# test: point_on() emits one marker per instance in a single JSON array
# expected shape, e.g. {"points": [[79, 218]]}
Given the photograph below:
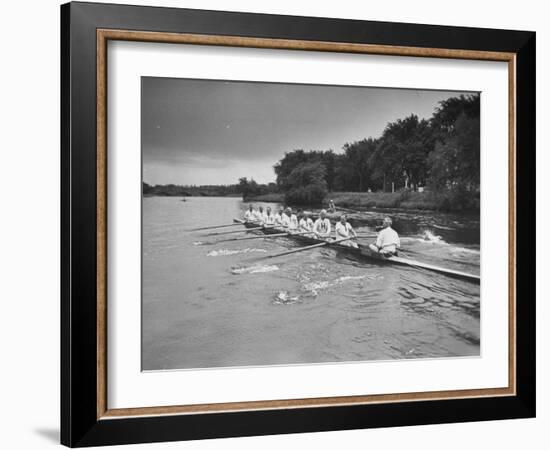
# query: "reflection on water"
{"points": [[208, 305]]}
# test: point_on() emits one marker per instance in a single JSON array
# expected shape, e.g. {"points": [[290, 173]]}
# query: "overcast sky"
{"points": [[213, 132]]}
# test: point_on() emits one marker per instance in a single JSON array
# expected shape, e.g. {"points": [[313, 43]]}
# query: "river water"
{"points": [[221, 305]]}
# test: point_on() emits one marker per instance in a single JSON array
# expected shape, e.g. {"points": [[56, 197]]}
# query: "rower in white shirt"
{"points": [[269, 218], [343, 229], [249, 215], [293, 220], [259, 214], [321, 228], [305, 224], [285, 218], [387, 241], [278, 217]]}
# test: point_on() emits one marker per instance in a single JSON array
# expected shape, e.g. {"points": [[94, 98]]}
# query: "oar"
{"points": [[262, 236], [309, 247], [215, 226], [347, 209], [245, 230]]}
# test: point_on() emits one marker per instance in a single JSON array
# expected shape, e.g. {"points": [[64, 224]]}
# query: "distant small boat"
{"points": [[183, 199]]}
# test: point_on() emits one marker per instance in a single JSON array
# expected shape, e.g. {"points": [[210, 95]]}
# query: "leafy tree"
{"points": [[285, 166], [147, 188], [447, 113], [355, 171], [329, 160], [455, 163], [306, 184], [249, 188], [402, 151]]}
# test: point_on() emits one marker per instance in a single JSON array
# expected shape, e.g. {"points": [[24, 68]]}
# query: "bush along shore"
{"points": [[437, 201]]}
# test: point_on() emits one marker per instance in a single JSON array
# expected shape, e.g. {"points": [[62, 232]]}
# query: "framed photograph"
{"points": [[276, 224]]}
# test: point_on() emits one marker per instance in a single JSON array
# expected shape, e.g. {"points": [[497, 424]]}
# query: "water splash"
{"points": [[253, 269], [315, 287], [284, 298], [430, 238], [227, 252]]}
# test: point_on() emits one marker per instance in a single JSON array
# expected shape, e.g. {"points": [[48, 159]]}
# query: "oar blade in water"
{"points": [[308, 247]]}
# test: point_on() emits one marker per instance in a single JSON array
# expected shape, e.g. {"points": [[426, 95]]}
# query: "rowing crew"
{"points": [[387, 241], [283, 218], [303, 224]]}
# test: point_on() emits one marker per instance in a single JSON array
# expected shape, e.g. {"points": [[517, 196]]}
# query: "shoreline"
{"points": [[407, 200], [363, 201]]}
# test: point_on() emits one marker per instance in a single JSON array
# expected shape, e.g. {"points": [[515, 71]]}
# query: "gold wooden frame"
{"points": [[103, 36]]}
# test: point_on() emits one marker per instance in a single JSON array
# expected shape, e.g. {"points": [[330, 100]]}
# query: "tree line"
{"points": [[440, 153], [177, 190], [245, 187]]}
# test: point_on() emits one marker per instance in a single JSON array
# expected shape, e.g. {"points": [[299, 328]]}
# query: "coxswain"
{"points": [[343, 229], [321, 228], [387, 241]]}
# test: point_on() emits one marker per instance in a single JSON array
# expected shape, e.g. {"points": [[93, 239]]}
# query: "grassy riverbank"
{"points": [[436, 201]]}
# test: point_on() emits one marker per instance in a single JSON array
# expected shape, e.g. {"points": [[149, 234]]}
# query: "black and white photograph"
{"points": [[300, 224]]}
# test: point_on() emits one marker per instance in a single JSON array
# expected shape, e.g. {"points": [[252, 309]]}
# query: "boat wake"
{"points": [[434, 239], [313, 288], [227, 252], [430, 238], [253, 269], [472, 251]]}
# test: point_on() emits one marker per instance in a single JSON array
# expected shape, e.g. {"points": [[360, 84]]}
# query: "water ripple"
{"points": [[228, 252]]}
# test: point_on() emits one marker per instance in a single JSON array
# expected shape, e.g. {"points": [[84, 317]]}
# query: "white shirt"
{"points": [[278, 218], [322, 227], [293, 222], [285, 220], [258, 215], [343, 231], [249, 215], [306, 224], [269, 219], [388, 240]]}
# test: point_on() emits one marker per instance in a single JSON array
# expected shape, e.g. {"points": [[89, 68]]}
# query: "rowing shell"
{"points": [[366, 252]]}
